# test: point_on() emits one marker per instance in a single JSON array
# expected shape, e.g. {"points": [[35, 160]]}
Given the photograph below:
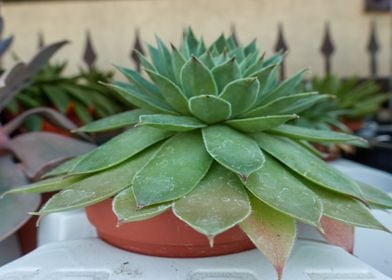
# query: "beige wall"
{"points": [[113, 23]]}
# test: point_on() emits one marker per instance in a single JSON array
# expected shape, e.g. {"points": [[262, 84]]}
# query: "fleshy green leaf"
{"points": [[48, 185], [272, 232], [178, 61], [139, 82], [345, 209], [174, 171], [206, 59], [375, 196], [278, 188], [65, 167], [338, 233], [171, 93], [113, 122], [97, 187], [241, 94], [120, 148], [292, 104], [233, 149], [306, 164], [126, 210], [286, 88], [171, 122], [196, 79], [210, 108], [260, 123], [225, 73], [135, 97], [218, 203], [315, 135]]}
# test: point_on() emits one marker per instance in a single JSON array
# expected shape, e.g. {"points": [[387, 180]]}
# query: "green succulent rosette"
{"points": [[209, 141]]}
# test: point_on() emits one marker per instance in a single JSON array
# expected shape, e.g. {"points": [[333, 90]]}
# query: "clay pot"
{"points": [[164, 235]]}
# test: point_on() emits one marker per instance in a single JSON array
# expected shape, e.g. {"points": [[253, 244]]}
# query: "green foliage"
{"points": [[216, 150]]}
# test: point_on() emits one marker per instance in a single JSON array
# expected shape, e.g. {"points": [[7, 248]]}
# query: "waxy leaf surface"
{"points": [[272, 232], [218, 203], [376, 196], [196, 79], [226, 73], [120, 148], [233, 149], [126, 210], [306, 164], [259, 124], [241, 94], [281, 190], [338, 233], [171, 122], [210, 108], [115, 121], [97, 187], [174, 171]]}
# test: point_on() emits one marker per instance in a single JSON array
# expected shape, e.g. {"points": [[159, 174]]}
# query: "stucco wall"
{"points": [[112, 24]]}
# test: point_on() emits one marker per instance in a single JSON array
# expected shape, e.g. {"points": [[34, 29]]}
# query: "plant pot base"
{"points": [[164, 235]]}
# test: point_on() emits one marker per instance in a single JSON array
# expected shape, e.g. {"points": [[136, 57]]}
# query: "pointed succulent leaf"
{"points": [[286, 88], [174, 171], [255, 66], [234, 150], [47, 185], [210, 108], [314, 135], [270, 83], [345, 209], [171, 92], [241, 94], [138, 81], [219, 44], [165, 57], [171, 123], [225, 73], [259, 124], [114, 122], [251, 48], [311, 148], [278, 188], [144, 61], [65, 167], [222, 189], [272, 232], [248, 62], [206, 59], [97, 187], [156, 60], [126, 210], [306, 164], [376, 196], [262, 75], [178, 62], [274, 59], [191, 41], [338, 233], [135, 97], [293, 104], [196, 79], [119, 149]]}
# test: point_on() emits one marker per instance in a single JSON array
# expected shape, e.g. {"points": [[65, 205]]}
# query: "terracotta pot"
{"points": [[164, 235]]}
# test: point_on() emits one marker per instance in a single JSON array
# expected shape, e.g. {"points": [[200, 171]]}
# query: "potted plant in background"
{"points": [[211, 158], [24, 157]]}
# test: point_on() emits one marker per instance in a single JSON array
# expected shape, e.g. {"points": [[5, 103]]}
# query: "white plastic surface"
{"points": [[9, 249], [92, 259]]}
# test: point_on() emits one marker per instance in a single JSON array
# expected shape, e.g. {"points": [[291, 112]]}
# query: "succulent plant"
{"points": [[210, 143], [25, 157], [79, 96]]}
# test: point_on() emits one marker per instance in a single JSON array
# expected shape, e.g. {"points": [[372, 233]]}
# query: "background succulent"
{"points": [[25, 157], [211, 144], [79, 97]]}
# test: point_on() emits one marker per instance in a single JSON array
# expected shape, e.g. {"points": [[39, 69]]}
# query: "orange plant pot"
{"points": [[164, 235]]}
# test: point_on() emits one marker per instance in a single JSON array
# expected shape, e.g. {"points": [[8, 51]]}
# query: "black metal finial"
{"points": [[41, 40], [281, 46], [234, 34], [373, 48], [89, 56], [1, 26], [137, 46], [327, 49]]}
